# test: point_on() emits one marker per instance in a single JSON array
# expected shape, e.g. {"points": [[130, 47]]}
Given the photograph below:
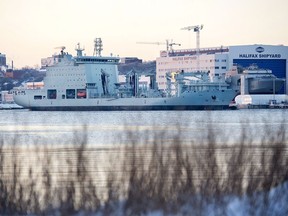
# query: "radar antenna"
{"points": [[98, 47], [62, 49], [196, 29]]}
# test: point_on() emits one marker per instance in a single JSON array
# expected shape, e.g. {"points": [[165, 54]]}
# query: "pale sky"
{"points": [[31, 29]]}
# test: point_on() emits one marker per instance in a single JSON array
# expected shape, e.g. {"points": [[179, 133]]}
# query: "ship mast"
{"points": [[79, 50], [98, 47]]}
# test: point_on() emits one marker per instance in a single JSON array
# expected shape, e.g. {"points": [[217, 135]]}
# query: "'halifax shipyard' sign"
{"points": [[259, 54]]}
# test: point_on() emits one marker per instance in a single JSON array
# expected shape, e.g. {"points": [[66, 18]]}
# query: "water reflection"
{"points": [[106, 128]]}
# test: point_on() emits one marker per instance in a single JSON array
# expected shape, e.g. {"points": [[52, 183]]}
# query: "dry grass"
{"points": [[141, 177]]}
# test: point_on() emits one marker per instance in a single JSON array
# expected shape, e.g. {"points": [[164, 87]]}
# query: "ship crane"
{"points": [[196, 29], [169, 45]]}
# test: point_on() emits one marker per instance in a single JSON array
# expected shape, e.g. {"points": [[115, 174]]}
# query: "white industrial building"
{"points": [[218, 60]]}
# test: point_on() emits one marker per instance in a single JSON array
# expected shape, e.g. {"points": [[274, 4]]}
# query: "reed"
{"points": [[150, 174]]}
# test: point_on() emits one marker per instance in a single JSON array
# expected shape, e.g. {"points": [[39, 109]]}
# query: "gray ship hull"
{"points": [[132, 108], [207, 100]]}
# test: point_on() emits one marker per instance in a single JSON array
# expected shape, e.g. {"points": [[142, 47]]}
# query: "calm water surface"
{"points": [[110, 128]]}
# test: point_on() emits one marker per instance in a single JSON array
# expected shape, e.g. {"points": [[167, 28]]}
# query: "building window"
{"points": [[216, 67], [223, 67]]}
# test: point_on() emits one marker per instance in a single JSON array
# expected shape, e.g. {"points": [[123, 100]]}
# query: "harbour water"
{"points": [[110, 128]]}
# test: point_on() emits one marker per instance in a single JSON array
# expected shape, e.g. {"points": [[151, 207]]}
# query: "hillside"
{"points": [[145, 67]]}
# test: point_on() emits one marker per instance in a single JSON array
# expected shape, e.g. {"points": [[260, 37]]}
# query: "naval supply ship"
{"points": [[87, 83]]}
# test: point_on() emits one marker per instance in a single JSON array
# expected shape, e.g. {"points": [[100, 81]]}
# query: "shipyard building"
{"points": [[218, 60]]}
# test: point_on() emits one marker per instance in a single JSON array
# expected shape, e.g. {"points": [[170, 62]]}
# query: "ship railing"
{"points": [[97, 95]]}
